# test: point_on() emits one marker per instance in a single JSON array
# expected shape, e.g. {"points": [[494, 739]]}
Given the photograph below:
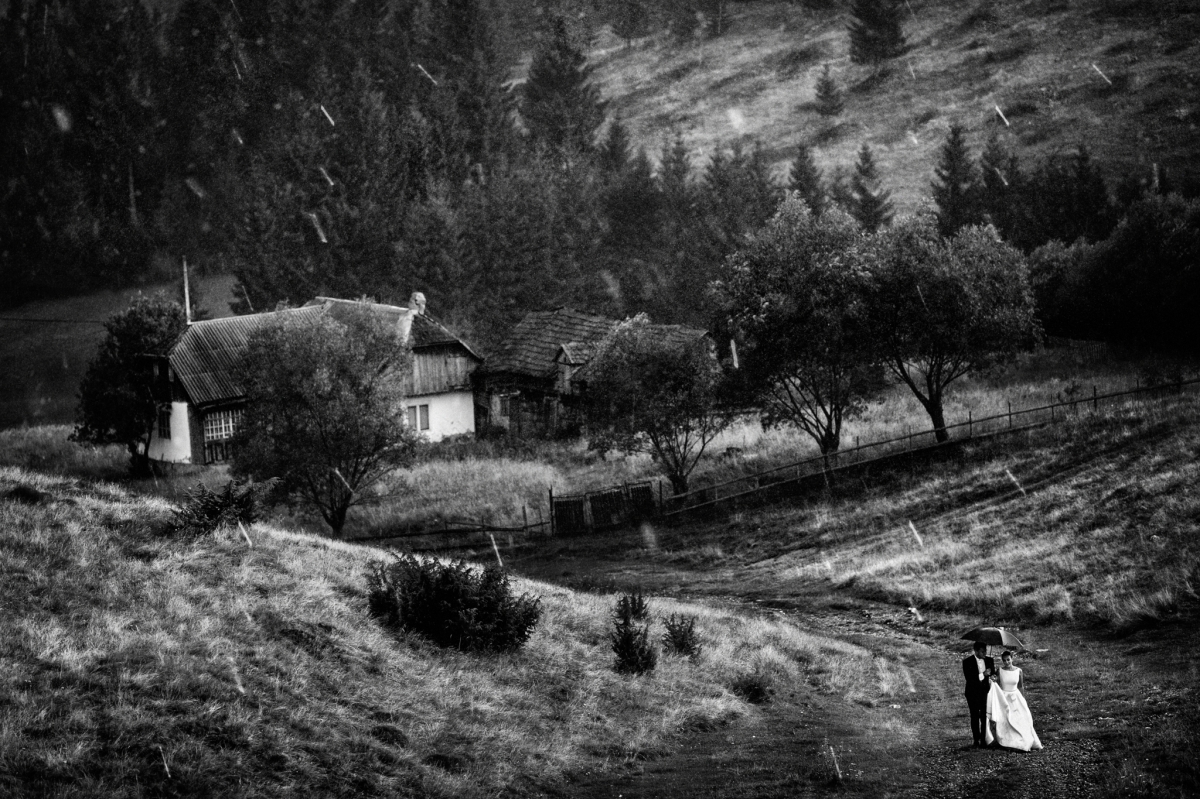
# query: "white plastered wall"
{"points": [[450, 414], [177, 448]]}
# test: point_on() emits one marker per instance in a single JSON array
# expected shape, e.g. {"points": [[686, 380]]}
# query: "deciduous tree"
{"points": [[943, 308], [117, 400], [325, 408], [650, 393], [798, 292]]}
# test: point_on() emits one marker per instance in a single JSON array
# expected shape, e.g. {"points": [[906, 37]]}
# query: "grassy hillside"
{"points": [[134, 664], [1082, 541], [1039, 61]]}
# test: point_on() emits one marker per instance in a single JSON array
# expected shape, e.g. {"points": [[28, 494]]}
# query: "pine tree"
{"points": [[613, 154], [829, 95], [805, 179], [876, 32], [561, 107], [872, 204], [630, 20], [956, 189], [1000, 187]]}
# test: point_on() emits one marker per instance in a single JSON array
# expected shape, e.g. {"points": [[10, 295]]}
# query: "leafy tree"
{"points": [[325, 408], [804, 179], [798, 292], [117, 399], [829, 95], [871, 204], [943, 308], [876, 31], [1139, 286], [561, 107], [956, 189], [648, 393]]}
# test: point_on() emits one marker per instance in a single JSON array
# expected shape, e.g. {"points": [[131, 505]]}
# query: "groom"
{"points": [[978, 670]]}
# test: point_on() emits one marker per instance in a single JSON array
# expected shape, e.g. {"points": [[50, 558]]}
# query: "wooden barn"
{"points": [[533, 381], [202, 401]]}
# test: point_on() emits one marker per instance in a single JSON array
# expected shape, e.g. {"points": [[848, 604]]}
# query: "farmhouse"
{"points": [[202, 401], [533, 382]]}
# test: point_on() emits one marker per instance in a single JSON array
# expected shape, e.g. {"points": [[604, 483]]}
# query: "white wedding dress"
{"points": [[1008, 709]]}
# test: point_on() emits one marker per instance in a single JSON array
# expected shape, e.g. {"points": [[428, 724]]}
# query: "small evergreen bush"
{"points": [[453, 605], [631, 607], [630, 640], [680, 637], [207, 511]]}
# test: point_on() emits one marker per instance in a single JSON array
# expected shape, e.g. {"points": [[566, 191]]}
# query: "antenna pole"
{"points": [[187, 294]]}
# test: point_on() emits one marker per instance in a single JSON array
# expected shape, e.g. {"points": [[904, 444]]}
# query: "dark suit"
{"points": [[977, 693]]}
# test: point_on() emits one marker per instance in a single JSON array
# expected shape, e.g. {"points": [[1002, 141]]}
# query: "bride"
{"points": [[1008, 711]]}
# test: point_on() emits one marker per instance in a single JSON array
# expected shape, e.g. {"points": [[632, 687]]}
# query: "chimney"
{"points": [[416, 307]]}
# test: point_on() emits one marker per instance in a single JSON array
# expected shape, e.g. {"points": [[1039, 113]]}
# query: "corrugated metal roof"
{"points": [[206, 359], [207, 356], [533, 344]]}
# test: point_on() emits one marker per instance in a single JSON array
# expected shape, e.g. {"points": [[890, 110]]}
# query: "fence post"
{"points": [[552, 526], [970, 425], [660, 500], [524, 519], [1095, 406], [1009, 413]]}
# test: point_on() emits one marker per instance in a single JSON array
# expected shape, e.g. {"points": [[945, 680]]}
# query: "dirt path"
{"points": [[784, 750]]}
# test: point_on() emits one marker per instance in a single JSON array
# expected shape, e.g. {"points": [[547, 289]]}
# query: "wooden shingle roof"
{"points": [[207, 357], [533, 344], [675, 336], [426, 331]]}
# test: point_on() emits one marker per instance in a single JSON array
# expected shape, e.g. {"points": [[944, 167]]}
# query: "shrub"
{"points": [[206, 511], [631, 644], [630, 608], [631, 641], [680, 637], [453, 605], [756, 687]]}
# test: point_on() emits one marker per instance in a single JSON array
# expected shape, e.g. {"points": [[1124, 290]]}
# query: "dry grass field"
{"points": [[135, 664]]}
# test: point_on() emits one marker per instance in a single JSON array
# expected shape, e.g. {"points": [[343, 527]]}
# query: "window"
{"points": [[164, 422], [504, 405], [221, 425], [418, 417]]}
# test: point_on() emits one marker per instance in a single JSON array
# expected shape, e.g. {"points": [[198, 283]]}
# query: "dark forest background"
{"points": [[377, 147]]}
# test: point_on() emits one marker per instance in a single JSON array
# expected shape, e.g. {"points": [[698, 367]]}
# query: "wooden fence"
{"points": [[823, 467], [631, 503]]}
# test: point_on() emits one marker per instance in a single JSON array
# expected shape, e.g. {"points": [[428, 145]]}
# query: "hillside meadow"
{"points": [[1117, 76], [137, 664]]}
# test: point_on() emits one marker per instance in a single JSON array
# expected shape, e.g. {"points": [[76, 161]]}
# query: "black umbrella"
{"points": [[994, 636]]}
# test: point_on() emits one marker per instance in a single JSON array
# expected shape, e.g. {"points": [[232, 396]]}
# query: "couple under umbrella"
{"points": [[995, 695]]}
